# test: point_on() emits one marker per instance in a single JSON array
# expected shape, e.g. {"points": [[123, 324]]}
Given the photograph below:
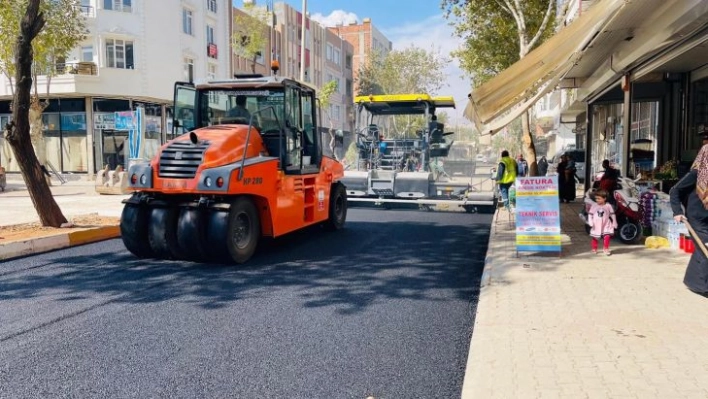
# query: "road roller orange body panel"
{"points": [[248, 164]]}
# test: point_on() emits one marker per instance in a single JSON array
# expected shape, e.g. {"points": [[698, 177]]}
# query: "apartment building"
{"points": [[326, 59], [271, 50], [365, 40], [134, 53]]}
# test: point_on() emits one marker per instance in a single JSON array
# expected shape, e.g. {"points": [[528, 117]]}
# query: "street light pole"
{"points": [[302, 42]]}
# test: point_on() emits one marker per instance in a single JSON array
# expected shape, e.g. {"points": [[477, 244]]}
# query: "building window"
{"points": [[349, 61], [189, 69], [211, 5], [118, 5], [87, 53], [187, 21], [210, 34], [211, 72], [349, 87], [329, 52], [119, 54], [337, 57]]}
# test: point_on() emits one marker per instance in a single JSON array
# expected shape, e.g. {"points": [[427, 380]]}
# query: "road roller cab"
{"points": [[247, 162]]}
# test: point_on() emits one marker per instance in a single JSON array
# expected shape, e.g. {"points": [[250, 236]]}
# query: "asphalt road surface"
{"points": [[383, 308]]}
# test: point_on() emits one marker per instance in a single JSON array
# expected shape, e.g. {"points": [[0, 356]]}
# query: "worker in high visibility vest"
{"points": [[506, 175]]}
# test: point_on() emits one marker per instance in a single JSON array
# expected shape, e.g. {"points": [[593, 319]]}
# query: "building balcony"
{"points": [[88, 11], [85, 78]]}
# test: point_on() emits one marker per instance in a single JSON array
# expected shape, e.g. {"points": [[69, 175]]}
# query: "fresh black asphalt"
{"points": [[383, 308]]}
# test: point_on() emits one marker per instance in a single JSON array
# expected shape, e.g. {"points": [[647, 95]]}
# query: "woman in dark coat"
{"points": [[691, 193], [566, 179], [560, 169]]}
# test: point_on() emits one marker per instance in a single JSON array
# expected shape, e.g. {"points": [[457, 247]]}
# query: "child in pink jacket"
{"points": [[602, 221]]}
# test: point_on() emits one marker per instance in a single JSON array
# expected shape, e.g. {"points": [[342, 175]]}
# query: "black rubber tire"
{"points": [[217, 226], [629, 233], [190, 234], [134, 230], [244, 230], [162, 233], [337, 208]]}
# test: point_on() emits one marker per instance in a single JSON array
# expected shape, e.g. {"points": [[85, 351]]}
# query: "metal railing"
{"points": [[88, 11], [63, 68]]}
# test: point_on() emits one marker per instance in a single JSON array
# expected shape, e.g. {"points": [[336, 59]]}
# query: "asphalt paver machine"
{"points": [[400, 148]]}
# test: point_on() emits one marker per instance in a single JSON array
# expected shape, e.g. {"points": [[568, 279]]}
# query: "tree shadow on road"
{"points": [[347, 270]]}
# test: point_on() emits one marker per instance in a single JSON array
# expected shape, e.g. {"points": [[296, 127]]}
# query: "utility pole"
{"points": [[302, 41]]}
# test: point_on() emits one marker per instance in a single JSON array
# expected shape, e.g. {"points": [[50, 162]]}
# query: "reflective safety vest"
{"points": [[509, 175]]}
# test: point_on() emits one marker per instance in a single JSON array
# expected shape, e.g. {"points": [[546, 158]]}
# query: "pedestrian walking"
{"points": [[602, 221], [566, 179], [506, 176], [522, 165], [542, 166], [689, 199]]}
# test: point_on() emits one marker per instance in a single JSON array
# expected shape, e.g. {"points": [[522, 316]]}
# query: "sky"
{"points": [[403, 22]]}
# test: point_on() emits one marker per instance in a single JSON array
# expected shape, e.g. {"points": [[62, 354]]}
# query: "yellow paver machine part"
{"points": [[403, 104]]}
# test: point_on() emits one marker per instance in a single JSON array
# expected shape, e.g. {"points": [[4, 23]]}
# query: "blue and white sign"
{"points": [[132, 121], [537, 214]]}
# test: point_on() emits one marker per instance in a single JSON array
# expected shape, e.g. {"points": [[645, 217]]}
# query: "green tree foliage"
{"points": [[64, 28], [325, 96], [411, 70], [31, 38], [496, 34], [250, 35]]}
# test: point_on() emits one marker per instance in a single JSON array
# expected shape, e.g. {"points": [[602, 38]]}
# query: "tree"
{"points": [[488, 29], [250, 35], [411, 70], [325, 97], [18, 130], [64, 27]]}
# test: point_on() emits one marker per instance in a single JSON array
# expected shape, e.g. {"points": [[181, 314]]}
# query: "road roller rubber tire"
{"points": [[337, 208], [244, 230], [134, 230], [217, 226], [190, 234], [162, 233]]}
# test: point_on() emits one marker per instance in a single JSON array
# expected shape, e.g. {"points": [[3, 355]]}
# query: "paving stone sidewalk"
{"points": [[75, 198], [585, 325]]}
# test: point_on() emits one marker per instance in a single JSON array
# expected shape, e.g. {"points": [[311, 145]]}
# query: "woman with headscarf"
{"points": [[689, 199]]}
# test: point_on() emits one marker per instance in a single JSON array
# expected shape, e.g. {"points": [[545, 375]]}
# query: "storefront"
{"points": [[606, 138], [81, 136], [65, 136]]}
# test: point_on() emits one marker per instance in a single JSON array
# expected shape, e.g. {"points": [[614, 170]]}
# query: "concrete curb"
{"points": [[487, 274], [488, 259], [16, 249], [492, 255]]}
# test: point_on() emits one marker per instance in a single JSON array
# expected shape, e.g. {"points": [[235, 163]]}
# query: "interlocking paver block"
{"points": [[618, 326]]}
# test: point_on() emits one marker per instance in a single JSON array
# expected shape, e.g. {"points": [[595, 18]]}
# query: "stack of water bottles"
{"points": [[675, 233], [650, 210], [657, 211]]}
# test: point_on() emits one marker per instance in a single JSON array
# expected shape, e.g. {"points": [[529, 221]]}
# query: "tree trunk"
{"points": [[37, 129], [19, 135], [527, 145], [332, 140]]}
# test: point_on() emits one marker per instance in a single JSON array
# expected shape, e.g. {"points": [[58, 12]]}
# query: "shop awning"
{"points": [[499, 101]]}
